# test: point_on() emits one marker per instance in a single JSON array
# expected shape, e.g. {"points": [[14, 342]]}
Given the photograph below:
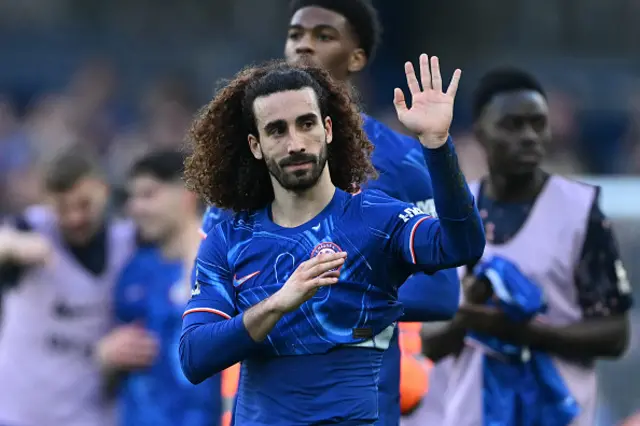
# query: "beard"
{"points": [[302, 179]]}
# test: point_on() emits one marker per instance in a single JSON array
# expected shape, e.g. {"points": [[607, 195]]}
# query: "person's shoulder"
{"points": [[213, 216], [383, 136], [375, 202], [373, 197], [241, 224], [575, 192], [233, 227], [399, 159], [380, 209], [571, 182]]}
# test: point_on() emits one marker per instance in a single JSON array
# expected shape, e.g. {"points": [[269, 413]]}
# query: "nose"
{"points": [[305, 46], [296, 145], [528, 143], [296, 142], [529, 137]]}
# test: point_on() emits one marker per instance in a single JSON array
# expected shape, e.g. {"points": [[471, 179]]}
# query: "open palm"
{"points": [[431, 110]]}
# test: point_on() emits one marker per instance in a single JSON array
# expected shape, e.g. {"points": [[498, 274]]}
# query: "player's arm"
{"points": [[211, 217], [128, 346], [448, 338], [425, 298], [445, 340], [20, 248], [455, 238], [214, 335], [604, 294], [434, 297], [428, 298]]}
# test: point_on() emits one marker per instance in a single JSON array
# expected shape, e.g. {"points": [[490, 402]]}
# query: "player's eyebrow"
{"points": [[275, 125], [534, 115], [307, 117], [318, 27]]}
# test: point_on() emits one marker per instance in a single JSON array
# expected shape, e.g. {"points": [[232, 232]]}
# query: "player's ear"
{"points": [[254, 146], [357, 61], [328, 128]]}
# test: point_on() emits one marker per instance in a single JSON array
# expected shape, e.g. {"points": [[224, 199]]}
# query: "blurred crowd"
{"points": [[87, 115]]}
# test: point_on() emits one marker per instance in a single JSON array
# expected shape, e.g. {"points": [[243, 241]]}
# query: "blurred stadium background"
{"points": [[118, 78]]}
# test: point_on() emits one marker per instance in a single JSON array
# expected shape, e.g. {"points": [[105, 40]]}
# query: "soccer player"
{"points": [[301, 284], [150, 298], [342, 37], [554, 230], [58, 266]]}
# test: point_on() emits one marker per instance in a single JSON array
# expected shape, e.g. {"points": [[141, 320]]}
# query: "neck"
{"points": [[506, 187], [183, 241], [291, 209]]}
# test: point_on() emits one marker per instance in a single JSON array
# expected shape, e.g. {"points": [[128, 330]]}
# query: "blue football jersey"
{"points": [[321, 362], [403, 174], [152, 292], [212, 216]]}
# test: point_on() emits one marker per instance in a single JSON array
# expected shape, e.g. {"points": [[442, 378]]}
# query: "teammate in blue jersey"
{"points": [[301, 283], [150, 298]]}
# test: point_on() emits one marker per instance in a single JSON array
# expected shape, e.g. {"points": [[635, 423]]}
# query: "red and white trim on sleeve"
{"points": [[412, 238], [206, 310]]}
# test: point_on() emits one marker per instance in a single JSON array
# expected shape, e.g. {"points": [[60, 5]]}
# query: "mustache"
{"points": [[298, 159]]}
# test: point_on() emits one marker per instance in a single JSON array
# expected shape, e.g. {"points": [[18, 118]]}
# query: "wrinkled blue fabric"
{"points": [[521, 387]]}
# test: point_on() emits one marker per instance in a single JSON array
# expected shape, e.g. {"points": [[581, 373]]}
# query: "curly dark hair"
{"points": [[222, 169]]}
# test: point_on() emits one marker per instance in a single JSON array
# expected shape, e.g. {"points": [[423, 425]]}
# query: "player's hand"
{"points": [[431, 110], [25, 248], [476, 291], [33, 249], [487, 320], [128, 347], [309, 276]]}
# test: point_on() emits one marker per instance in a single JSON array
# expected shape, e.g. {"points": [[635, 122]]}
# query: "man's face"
{"points": [[292, 138], [514, 129], [81, 209], [323, 38], [157, 207]]}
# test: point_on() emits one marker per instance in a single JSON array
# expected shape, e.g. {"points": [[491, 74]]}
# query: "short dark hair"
{"points": [[502, 80], [361, 15], [222, 169], [165, 165], [67, 169]]}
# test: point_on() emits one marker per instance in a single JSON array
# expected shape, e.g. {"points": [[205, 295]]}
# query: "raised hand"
{"points": [[309, 276], [431, 110], [128, 347]]}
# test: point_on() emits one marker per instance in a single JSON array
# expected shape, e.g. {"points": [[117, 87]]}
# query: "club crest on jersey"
{"points": [[327, 247]]}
